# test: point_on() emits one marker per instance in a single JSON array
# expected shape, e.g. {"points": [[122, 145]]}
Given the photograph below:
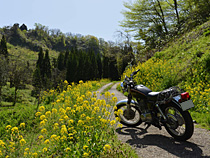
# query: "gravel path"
{"points": [[155, 143]]}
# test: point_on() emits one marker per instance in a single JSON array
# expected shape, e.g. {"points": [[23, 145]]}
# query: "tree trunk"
{"points": [[177, 14], [15, 96], [162, 16]]}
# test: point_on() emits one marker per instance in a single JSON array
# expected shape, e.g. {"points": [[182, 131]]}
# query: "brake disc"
{"points": [[172, 121]]}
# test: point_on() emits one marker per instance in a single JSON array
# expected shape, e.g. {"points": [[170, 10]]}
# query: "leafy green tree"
{"points": [[3, 73], [147, 18], [19, 76]]}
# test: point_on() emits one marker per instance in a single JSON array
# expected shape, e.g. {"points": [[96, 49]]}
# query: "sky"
{"points": [[99, 18]]}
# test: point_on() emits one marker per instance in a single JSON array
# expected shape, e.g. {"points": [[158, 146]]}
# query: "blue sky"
{"points": [[99, 18]]}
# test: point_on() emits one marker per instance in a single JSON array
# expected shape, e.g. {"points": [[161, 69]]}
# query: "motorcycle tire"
{"points": [[129, 122], [177, 119]]}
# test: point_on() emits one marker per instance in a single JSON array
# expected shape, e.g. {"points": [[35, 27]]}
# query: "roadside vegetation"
{"points": [[185, 62], [68, 123]]}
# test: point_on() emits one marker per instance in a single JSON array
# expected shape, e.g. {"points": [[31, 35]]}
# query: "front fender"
{"points": [[124, 101]]}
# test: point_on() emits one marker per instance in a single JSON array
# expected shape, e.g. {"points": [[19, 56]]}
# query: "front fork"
{"points": [[129, 99]]}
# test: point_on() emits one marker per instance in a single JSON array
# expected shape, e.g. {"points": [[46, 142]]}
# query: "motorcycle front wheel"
{"points": [[180, 123], [131, 118]]}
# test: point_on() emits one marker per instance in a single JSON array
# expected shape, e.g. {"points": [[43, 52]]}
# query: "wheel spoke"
{"points": [[178, 128]]}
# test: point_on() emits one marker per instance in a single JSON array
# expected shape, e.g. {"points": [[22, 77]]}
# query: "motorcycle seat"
{"points": [[153, 94]]}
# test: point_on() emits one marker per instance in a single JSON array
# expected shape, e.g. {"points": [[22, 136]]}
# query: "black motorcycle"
{"points": [[167, 108]]}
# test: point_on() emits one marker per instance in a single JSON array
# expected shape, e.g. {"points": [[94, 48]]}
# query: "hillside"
{"points": [[185, 62]]}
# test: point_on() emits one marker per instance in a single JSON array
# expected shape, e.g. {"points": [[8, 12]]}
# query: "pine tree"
{"points": [[60, 61], [113, 70], [99, 65], [66, 58], [37, 82], [47, 70], [47, 65], [105, 67], [3, 47], [39, 63], [93, 66], [71, 73]]}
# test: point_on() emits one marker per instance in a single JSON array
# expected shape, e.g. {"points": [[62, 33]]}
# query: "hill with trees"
{"points": [[51, 56]]}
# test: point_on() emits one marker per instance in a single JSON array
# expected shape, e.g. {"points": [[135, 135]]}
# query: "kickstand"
{"points": [[148, 125]]}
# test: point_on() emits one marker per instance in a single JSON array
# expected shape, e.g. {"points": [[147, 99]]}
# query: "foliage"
{"points": [[156, 22], [184, 63], [75, 124]]}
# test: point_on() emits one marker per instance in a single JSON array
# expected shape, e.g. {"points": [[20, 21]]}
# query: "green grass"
{"points": [[202, 120]]}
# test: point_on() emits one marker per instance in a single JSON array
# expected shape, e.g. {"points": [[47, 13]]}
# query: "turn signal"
{"points": [[185, 96]]}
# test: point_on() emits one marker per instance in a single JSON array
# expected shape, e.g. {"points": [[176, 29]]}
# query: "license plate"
{"points": [[187, 105]]}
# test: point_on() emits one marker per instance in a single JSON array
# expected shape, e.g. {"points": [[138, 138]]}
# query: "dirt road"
{"points": [[155, 143]]}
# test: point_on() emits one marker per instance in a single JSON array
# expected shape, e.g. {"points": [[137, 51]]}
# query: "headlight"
{"points": [[121, 84]]}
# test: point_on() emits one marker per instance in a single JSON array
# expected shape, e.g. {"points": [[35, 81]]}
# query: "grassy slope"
{"points": [[184, 62], [25, 54]]}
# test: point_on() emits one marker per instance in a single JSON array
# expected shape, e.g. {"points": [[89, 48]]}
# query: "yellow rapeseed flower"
{"points": [[80, 82], [85, 147], [47, 141], [44, 130], [42, 117], [80, 122], [88, 118], [41, 108], [120, 125], [22, 125], [114, 99], [35, 154], [40, 137], [68, 149], [22, 142], [85, 154], [107, 147], [2, 144], [112, 122], [37, 114], [8, 127], [14, 130], [44, 150], [54, 111], [47, 114]]}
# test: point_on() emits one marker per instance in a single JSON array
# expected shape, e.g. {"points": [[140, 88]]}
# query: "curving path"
{"points": [[155, 143]]}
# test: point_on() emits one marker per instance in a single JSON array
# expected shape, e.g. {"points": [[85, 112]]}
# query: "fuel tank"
{"points": [[140, 91]]}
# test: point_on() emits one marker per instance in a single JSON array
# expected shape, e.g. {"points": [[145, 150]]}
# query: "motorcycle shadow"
{"points": [[141, 139]]}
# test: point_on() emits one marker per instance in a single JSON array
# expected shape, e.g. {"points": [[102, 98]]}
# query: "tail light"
{"points": [[185, 96]]}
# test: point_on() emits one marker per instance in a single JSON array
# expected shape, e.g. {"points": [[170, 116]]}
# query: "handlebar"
{"points": [[135, 72]]}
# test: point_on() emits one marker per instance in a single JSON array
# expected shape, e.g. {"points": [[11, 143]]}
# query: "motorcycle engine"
{"points": [[146, 116]]}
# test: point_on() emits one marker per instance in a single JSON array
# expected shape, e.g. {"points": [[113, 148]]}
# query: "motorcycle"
{"points": [[168, 108]]}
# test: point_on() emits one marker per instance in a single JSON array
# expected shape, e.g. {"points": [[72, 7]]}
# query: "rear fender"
{"points": [[124, 101], [177, 103]]}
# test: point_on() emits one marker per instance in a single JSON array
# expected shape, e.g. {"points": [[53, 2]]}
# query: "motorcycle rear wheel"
{"points": [[133, 121], [180, 124]]}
